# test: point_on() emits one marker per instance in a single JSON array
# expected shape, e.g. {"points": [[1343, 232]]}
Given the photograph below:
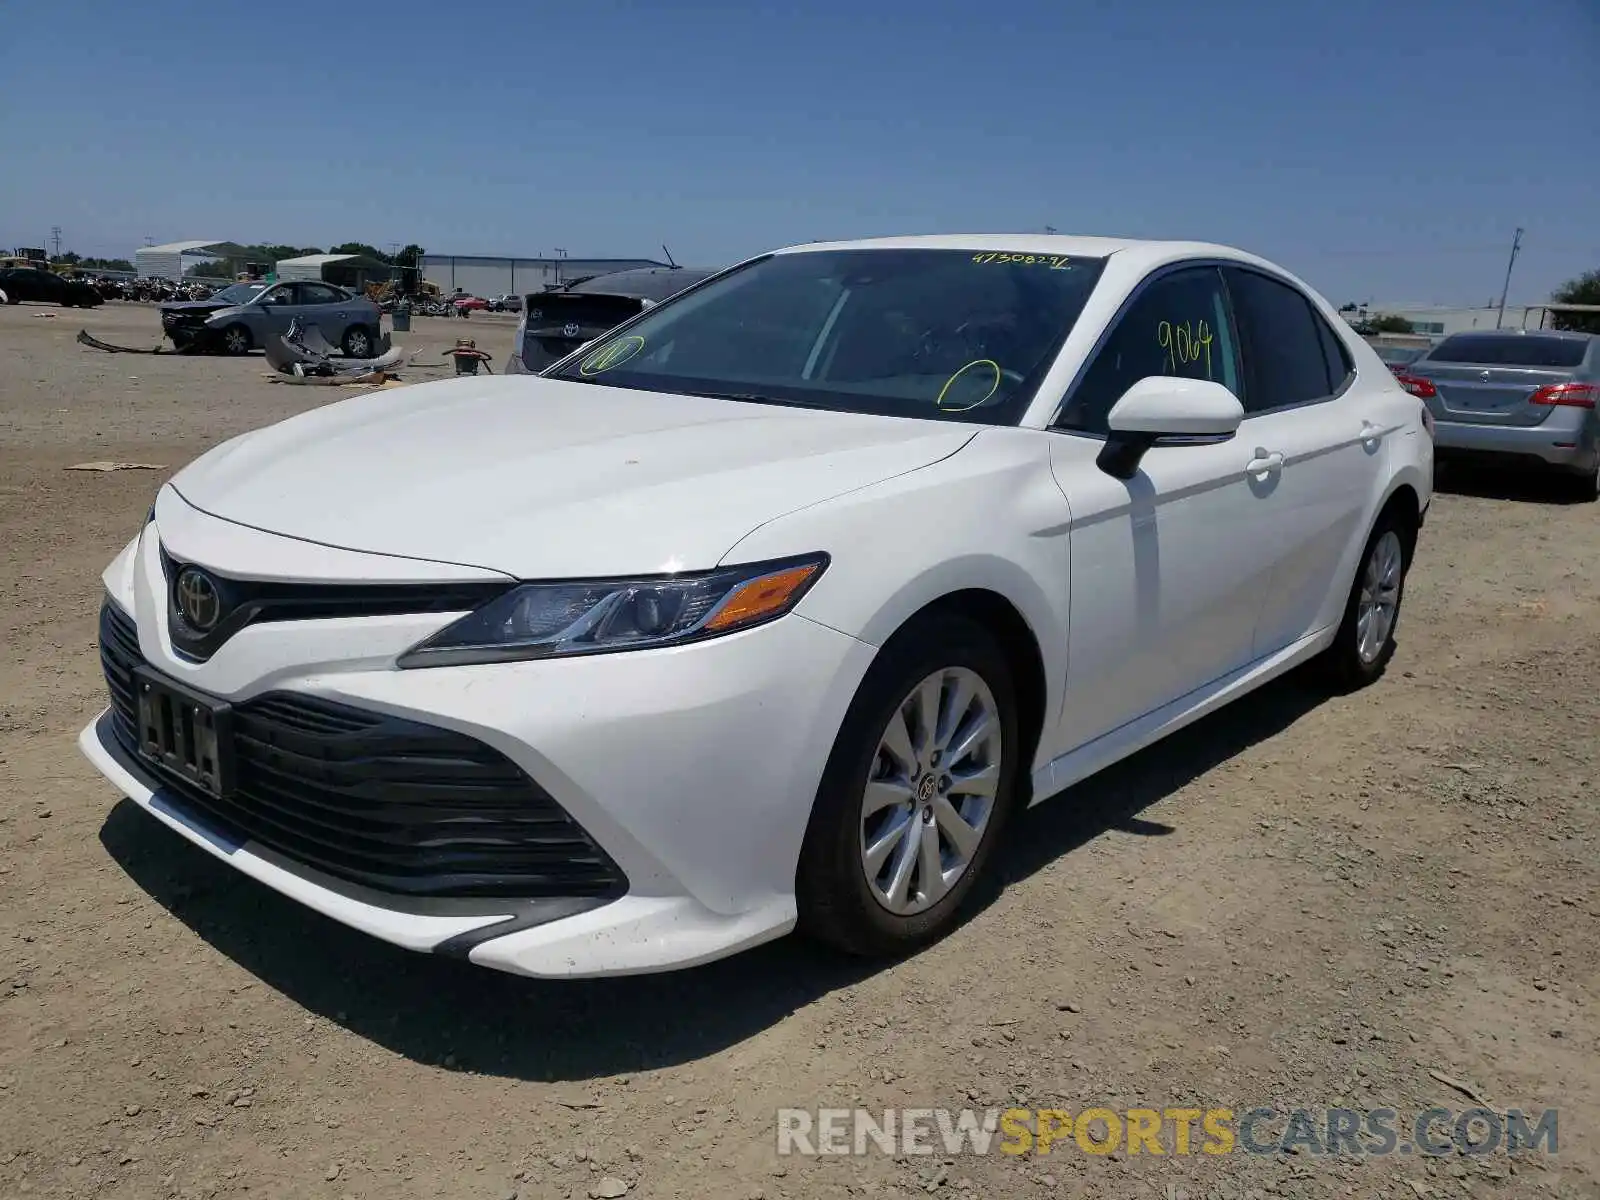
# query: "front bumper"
{"points": [[1566, 440], [692, 768]]}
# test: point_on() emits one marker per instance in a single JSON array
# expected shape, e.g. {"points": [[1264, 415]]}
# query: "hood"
{"points": [[228, 311], [190, 306], [543, 478]]}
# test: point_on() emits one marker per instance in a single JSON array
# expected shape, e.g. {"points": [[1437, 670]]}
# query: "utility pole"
{"points": [[55, 241], [1516, 244]]}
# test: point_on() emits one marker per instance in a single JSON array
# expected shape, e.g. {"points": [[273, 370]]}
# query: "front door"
{"points": [[1169, 569], [280, 304]]}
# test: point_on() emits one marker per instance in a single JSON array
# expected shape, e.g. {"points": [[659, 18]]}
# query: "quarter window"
{"points": [[1180, 324], [1285, 351]]}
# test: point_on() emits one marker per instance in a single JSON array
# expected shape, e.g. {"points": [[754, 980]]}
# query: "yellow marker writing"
{"points": [[949, 383]]}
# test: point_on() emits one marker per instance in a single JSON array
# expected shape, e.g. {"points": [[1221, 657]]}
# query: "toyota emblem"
{"points": [[198, 600], [570, 329]]}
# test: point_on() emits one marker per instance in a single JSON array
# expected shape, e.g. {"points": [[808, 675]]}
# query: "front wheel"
{"points": [[236, 340], [1365, 642], [915, 794]]}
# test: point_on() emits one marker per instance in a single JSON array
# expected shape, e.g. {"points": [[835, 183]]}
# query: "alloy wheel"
{"points": [[931, 790], [1379, 600]]}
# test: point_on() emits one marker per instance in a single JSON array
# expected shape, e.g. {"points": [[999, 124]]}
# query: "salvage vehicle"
{"points": [[558, 322], [184, 321], [1516, 398], [18, 284], [243, 316], [768, 609]]}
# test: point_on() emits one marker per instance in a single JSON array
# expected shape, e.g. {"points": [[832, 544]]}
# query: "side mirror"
{"points": [[1166, 410]]}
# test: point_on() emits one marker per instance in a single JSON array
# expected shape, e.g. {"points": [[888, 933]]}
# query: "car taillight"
{"points": [[1427, 421], [1566, 395], [1419, 387]]}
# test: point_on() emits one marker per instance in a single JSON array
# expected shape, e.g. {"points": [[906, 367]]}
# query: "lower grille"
{"points": [[382, 801]]}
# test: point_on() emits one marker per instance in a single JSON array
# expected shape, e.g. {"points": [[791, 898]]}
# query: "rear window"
{"points": [[646, 285], [1510, 350]]}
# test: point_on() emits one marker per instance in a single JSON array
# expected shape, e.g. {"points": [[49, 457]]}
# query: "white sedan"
{"points": [[769, 608]]}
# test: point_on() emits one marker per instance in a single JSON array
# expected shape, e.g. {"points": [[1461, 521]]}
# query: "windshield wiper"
{"points": [[758, 398]]}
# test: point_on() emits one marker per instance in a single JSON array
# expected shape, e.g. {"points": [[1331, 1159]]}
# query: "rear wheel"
{"points": [[357, 342], [1584, 488], [916, 793], [236, 339], [1365, 642]]}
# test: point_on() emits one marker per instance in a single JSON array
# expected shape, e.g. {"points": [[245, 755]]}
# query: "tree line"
{"points": [[408, 258]]}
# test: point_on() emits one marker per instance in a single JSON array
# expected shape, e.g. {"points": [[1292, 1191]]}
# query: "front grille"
{"points": [[245, 602], [378, 800]]}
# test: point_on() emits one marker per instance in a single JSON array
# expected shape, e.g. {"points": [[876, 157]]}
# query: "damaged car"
{"points": [[243, 317]]}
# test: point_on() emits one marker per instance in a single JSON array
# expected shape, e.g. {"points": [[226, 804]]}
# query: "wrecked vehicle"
{"points": [[246, 316], [558, 322], [184, 321], [30, 283]]}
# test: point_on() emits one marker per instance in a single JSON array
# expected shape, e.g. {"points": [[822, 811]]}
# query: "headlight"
{"points": [[555, 620]]}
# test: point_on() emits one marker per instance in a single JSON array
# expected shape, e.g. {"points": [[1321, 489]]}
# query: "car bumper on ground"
{"points": [[693, 769], [1565, 440]]}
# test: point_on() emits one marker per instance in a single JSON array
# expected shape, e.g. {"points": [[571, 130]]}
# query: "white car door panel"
{"points": [[1330, 466], [1168, 576], [1305, 403], [1170, 567]]}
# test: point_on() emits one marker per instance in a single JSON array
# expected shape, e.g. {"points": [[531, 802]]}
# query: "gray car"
{"points": [[1515, 398], [345, 320]]}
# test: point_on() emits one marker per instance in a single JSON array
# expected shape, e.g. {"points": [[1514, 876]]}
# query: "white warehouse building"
{"points": [[488, 275]]}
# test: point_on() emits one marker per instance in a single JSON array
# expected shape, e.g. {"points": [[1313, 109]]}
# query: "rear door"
{"points": [[327, 308], [1489, 378], [1326, 430]]}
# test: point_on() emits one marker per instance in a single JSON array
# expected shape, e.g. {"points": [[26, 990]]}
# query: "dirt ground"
{"points": [[1301, 901]]}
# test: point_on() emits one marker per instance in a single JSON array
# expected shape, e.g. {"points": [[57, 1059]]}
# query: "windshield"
{"points": [[950, 334], [240, 293]]}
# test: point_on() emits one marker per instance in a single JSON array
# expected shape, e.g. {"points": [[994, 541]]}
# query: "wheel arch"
{"points": [[1000, 617]]}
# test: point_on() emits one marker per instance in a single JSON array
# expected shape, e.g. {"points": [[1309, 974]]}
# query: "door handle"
{"points": [[1265, 462]]}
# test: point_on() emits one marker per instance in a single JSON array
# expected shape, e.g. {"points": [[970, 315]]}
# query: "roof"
{"points": [[220, 249], [324, 260], [1028, 243], [538, 258]]}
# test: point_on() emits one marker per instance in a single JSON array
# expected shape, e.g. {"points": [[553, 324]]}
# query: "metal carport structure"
{"points": [[166, 262], [346, 270]]}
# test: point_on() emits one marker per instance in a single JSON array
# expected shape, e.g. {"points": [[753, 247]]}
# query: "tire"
{"points": [[839, 903], [357, 342], [1585, 488], [1359, 652], [236, 339]]}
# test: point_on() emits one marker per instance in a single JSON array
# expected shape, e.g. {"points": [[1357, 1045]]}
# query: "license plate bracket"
{"points": [[185, 733]]}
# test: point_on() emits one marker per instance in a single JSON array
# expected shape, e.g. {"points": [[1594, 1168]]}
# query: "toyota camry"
{"points": [[769, 608]]}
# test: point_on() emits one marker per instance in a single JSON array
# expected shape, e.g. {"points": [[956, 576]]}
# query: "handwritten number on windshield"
{"points": [[1056, 262], [1184, 345]]}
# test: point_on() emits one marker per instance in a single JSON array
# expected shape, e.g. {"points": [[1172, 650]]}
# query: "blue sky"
{"points": [[1380, 148]]}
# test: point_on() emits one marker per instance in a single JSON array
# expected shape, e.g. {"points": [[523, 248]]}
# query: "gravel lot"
{"points": [[1299, 902]]}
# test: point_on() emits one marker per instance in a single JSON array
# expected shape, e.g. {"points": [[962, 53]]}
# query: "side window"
{"points": [[1179, 324], [277, 297], [318, 293], [1283, 347], [1340, 368]]}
